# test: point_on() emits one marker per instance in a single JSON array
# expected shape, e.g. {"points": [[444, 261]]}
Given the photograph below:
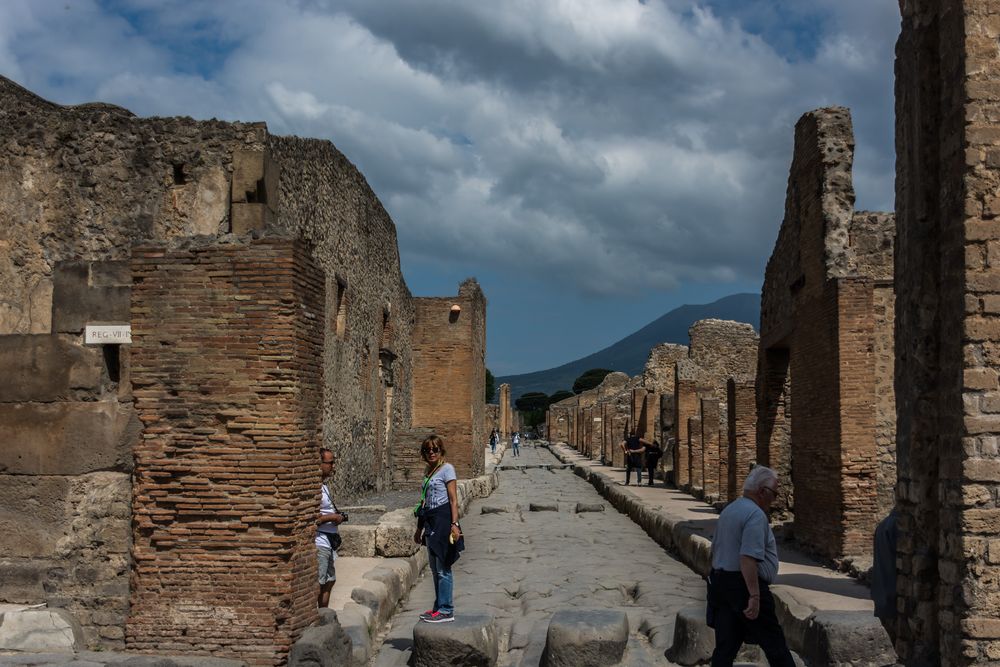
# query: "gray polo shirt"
{"points": [[743, 530]]}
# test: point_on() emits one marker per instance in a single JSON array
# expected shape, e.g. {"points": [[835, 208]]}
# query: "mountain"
{"points": [[630, 353]]}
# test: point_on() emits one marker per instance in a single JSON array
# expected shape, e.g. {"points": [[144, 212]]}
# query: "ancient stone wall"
{"points": [[228, 382], [79, 187], [947, 333], [712, 470], [658, 377], [719, 350], [741, 435], [823, 367], [449, 373]]}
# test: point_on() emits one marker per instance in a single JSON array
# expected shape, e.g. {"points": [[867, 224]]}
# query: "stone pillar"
{"points": [[741, 433], [710, 447], [506, 424], [685, 407], [227, 374], [696, 458], [947, 332]]}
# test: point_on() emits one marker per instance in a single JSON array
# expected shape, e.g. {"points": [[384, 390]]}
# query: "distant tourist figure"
{"points": [[327, 533], [438, 527], [515, 440], [653, 454], [884, 573], [744, 564], [494, 439], [633, 446]]}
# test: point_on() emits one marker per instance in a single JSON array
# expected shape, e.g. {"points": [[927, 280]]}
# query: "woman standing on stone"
{"points": [[438, 527]]}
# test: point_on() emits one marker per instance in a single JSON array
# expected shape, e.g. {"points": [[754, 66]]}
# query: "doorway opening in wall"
{"points": [[112, 361]]}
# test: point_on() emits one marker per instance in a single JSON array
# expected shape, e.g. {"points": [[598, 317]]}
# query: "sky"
{"points": [[593, 163]]}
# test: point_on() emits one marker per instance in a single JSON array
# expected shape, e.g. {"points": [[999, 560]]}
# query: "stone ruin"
{"points": [[719, 350], [824, 389], [171, 480]]}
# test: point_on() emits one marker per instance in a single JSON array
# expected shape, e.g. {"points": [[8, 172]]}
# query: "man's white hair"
{"points": [[759, 476]]}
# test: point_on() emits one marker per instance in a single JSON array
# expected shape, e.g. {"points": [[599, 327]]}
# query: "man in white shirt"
{"points": [[327, 533], [744, 564]]}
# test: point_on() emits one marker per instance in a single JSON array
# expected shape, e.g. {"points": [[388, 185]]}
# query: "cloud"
{"points": [[608, 147]]}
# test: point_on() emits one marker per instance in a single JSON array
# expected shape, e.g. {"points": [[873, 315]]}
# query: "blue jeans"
{"points": [[516, 446], [444, 583]]}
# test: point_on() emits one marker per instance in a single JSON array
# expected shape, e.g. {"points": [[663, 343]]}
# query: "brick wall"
{"points": [[710, 431], [685, 407], [741, 411], [947, 366], [506, 422], [227, 376], [449, 373], [823, 392]]}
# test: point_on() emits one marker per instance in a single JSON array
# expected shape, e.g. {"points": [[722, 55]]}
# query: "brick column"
{"points": [[742, 433], [685, 407], [696, 458], [226, 369], [710, 447], [948, 300]]}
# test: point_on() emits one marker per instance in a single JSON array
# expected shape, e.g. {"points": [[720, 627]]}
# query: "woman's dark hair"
{"points": [[431, 441]]}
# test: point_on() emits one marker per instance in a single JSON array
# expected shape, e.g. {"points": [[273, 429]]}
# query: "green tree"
{"points": [[589, 380], [491, 386], [560, 395], [531, 401]]}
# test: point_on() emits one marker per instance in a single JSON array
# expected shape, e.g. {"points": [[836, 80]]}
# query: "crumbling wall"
{"points": [[947, 334], [741, 454], [823, 368], [719, 350]]}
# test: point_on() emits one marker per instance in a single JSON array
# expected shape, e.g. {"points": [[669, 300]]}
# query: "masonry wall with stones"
{"points": [[79, 187], [449, 373], [719, 350], [825, 362], [947, 332]]}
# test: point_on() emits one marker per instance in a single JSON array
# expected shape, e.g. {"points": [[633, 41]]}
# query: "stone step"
{"points": [[471, 639], [586, 638]]}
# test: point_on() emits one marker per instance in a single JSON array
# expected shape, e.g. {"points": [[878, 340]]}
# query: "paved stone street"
{"points": [[522, 566]]}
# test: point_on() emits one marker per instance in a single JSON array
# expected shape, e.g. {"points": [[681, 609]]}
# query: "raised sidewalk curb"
{"points": [[373, 587], [827, 617]]}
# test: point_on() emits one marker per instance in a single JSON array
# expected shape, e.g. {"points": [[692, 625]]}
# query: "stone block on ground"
{"points": [[543, 507], [355, 619], [325, 644], [375, 596], [394, 534], [586, 638], [358, 541], [470, 640], [493, 509], [694, 641], [40, 630], [842, 638], [589, 507]]}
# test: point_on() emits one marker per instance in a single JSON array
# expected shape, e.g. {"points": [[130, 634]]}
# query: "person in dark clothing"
{"points": [[633, 446], [653, 454], [744, 564], [884, 573]]}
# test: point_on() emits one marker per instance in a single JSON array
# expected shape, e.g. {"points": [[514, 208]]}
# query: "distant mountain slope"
{"points": [[629, 354]]}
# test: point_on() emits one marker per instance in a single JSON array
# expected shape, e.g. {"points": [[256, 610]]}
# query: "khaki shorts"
{"points": [[327, 565]]}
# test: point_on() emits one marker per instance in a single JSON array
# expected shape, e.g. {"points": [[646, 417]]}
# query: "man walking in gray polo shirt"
{"points": [[744, 564]]}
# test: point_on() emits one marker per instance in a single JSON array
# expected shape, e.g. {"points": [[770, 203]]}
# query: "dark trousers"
{"points": [[728, 597], [651, 462], [633, 461]]}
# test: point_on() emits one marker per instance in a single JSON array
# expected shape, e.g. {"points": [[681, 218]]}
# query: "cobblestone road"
{"points": [[524, 565]]}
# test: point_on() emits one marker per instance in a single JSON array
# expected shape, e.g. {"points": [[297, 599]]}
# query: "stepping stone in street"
{"points": [[589, 507], [493, 509], [586, 638], [542, 507], [694, 641], [471, 639]]}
